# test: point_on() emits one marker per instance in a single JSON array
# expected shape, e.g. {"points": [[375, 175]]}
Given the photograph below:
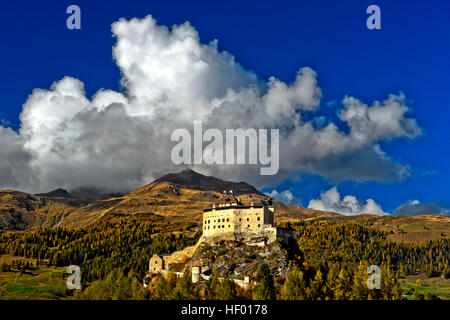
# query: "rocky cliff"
{"points": [[239, 260]]}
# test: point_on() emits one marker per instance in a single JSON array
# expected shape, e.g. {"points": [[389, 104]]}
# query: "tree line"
{"points": [[127, 244], [327, 243], [113, 255]]}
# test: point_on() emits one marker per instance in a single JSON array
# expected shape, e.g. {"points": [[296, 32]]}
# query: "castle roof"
{"points": [[228, 199], [233, 207]]}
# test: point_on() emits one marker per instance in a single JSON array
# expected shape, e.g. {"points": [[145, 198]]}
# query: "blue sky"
{"points": [[410, 54]]}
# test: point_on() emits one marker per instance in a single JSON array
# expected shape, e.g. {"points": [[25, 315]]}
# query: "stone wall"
{"points": [[267, 235], [286, 234], [160, 263], [220, 222]]}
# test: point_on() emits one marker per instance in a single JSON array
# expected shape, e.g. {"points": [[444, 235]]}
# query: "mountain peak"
{"points": [[190, 179], [91, 193], [62, 193]]}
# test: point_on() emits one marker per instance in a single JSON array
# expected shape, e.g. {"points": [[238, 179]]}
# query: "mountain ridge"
{"points": [[181, 196], [193, 180]]}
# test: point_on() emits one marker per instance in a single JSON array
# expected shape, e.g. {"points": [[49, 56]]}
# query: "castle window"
{"points": [[223, 220], [248, 219], [228, 219], [259, 225], [229, 226], [240, 219], [248, 226], [258, 218]]}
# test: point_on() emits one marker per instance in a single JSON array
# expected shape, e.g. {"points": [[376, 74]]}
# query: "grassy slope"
{"points": [[36, 284], [437, 285], [404, 228]]}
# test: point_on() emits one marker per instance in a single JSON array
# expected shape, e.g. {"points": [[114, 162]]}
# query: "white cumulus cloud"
{"points": [[121, 139], [349, 205], [285, 196]]}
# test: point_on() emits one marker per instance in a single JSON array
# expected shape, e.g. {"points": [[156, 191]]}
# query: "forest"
{"points": [[113, 255]]}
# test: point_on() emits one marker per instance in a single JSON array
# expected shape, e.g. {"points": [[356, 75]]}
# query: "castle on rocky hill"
{"points": [[228, 220]]}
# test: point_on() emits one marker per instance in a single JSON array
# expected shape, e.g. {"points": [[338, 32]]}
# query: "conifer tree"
{"points": [[315, 290], [137, 292], [265, 287], [359, 289], [343, 286], [214, 285], [162, 289], [185, 290], [390, 288], [226, 289], [294, 287]]}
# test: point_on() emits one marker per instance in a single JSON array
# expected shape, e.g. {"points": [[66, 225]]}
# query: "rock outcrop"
{"points": [[240, 260]]}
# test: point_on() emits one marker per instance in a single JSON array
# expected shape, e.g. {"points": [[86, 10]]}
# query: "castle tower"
{"points": [[156, 264], [196, 272], [270, 206]]}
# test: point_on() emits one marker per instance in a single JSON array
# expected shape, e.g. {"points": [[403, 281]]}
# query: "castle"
{"points": [[228, 219]]}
